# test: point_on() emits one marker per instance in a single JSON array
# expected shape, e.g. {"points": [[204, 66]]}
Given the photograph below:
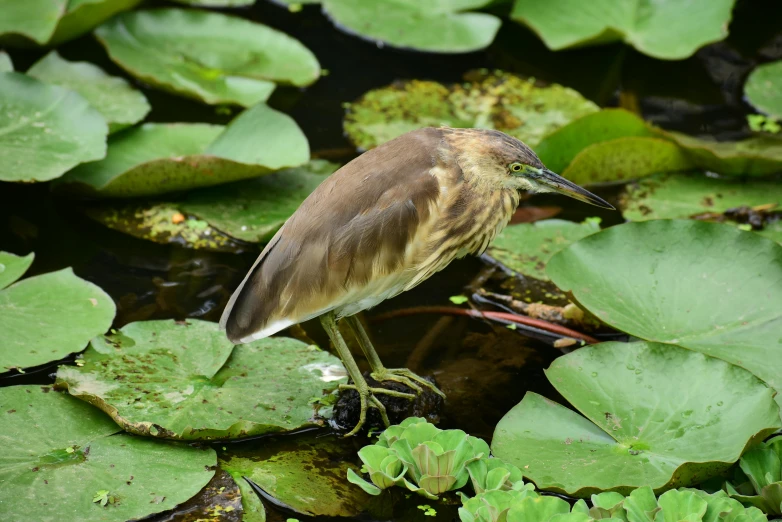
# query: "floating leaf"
{"points": [[46, 317], [45, 130], [58, 453], [764, 89], [217, 3], [35, 19], [527, 247], [694, 195], [666, 30], [6, 65], [652, 278], [307, 474], [691, 431], [490, 100], [208, 56], [12, 267], [120, 104], [444, 26], [186, 381], [157, 158]]}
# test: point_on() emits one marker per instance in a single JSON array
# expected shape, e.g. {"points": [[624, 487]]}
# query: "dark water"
{"points": [[485, 369]]}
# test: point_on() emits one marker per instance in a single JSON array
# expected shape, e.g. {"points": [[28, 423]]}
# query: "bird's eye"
{"points": [[515, 167]]}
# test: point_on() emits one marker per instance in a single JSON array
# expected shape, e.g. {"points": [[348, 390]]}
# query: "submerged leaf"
{"points": [[764, 89], [497, 100], [186, 381], [692, 430], [43, 481]]}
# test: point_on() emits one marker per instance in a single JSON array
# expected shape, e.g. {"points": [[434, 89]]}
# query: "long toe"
{"points": [[398, 373]]}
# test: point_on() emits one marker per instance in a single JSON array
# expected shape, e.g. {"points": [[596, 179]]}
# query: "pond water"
{"points": [[484, 369]]}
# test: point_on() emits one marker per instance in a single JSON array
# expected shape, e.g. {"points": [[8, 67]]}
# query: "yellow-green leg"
{"points": [[365, 393], [379, 372]]}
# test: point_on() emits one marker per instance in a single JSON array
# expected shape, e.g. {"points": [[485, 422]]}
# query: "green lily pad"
{"points": [[46, 317], [217, 3], [12, 267], [36, 19], [625, 158], [85, 15], [652, 278], [691, 430], [694, 195], [527, 247], [45, 130], [185, 380], [212, 57], [252, 507], [665, 30], [156, 158], [764, 89], [306, 473], [444, 26], [60, 455], [497, 100], [6, 65], [120, 104]]}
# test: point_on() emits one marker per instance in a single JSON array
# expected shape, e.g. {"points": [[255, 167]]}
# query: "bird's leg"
{"points": [[365, 393], [379, 372]]}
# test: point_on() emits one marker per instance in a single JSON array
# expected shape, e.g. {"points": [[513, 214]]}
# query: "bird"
{"points": [[380, 225]]}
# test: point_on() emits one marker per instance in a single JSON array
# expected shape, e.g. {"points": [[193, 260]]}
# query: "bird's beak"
{"points": [[556, 183]]}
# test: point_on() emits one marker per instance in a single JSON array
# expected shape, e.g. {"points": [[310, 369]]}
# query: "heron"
{"points": [[381, 225]]}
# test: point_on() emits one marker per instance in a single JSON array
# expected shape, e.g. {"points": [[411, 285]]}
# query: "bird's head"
{"points": [[493, 158]]}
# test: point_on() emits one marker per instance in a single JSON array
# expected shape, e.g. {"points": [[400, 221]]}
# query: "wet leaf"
{"points": [[445, 26], [157, 158], [119, 103], [497, 100], [46, 483], [46, 317], [184, 380], [666, 30], [12, 267], [212, 57], [527, 247], [764, 88], [694, 195], [691, 431], [252, 507], [651, 279], [305, 473], [45, 130], [755, 156]]}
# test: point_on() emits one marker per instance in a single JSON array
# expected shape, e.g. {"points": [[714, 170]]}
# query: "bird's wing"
{"points": [[351, 231]]}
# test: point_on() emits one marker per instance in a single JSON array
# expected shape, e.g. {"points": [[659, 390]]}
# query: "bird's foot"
{"points": [[406, 377], [368, 400]]}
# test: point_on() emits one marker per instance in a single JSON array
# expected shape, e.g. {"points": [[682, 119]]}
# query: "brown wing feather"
{"points": [[354, 226]]}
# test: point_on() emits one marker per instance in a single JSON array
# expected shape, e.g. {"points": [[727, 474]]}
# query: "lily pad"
{"points": [[12, 267], [652, 278], [120, 104], [691, 431], [217, 3], [157, 158], [71, 455], [694, 195], [305, 473], [444, 26], [252, 507], [756, 156], [212, 57], [46, 317], [45, 130], [665, 30], [6, 65], [36, 19], [501, 101], [764, 89], [185, 380], [527, 247]]}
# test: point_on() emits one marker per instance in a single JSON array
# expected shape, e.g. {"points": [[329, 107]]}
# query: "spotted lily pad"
{"points": [[443, 26], [71, 455], [305, 473], [665, 30], [499, 101], [527, 247], [755, 156], [185, 380], [46, 317], [694, 195], [691, 430], [156, 158], [652, 278], [120, 104], [45, 130], [764, 89], [212, 57]]}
